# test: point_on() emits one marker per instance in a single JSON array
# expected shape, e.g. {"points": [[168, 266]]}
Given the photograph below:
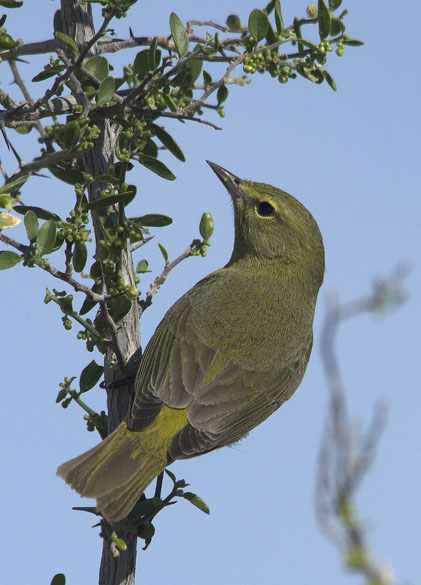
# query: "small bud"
{"points": [[206, 226]]}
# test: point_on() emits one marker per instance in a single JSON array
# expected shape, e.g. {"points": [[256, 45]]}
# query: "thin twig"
{"points": [[45, 163], [20, 83], [135, 245], [161, 278], [78, 86], [54, 271]]}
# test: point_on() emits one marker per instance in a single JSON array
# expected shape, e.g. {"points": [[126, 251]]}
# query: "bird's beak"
{"points": [[231, 182]]}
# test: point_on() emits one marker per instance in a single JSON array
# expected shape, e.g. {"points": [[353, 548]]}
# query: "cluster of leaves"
{"points": [[141, 517], [310, 59]]}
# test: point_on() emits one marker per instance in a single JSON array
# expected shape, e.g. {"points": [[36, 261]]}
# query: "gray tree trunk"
{"points": [[78, 24]]}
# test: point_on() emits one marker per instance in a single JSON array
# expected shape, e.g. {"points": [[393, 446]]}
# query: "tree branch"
{"points": [[77, 286]]}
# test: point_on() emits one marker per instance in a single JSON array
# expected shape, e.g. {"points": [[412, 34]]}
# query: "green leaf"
{"points": [[141, 62], [6, 41], [46, 237], [23, 129], [168, 472], [258, 24], [207, 78], [279, 21], [58, 579], [67, 175], [90, 376], [334, 4], [179, 34], [193, 70], [146, 531], [152, 220], [6, 202], [87, 306], [169, 142], [271, 37], [31, 224], [154, 55], [103, 202], [105, 91], [80, 256], [71, 135], [330, 80], [47, 73], [337, 27], [66, 304], [323, 19], [13, 185], [142, 267], [170, 102], [163, 252], [10, 3], [233, 22], [352, 43], [39, 212], [156, 166], [58, 21], [119, 307], [67, 41], [221, 94], [147, 506], [8, 259], [97, 66], [196, 501]]}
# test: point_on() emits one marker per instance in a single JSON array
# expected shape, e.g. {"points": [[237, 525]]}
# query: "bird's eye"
{"points": [[265, 209]]}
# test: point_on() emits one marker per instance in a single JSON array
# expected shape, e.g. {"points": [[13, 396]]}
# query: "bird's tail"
{"points": [[117, 471]]}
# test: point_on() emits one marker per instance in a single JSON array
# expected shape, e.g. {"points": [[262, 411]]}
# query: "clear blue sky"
{"points": [[353, 159]]}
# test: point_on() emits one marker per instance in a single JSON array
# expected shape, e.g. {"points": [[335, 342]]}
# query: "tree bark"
{"points": [[78, 23]]}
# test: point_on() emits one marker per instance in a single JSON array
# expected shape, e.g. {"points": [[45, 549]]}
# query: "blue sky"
{"points": [[352, 158]]}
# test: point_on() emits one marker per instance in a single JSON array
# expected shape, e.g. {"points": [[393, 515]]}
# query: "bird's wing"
{"points": [[186, 367]]}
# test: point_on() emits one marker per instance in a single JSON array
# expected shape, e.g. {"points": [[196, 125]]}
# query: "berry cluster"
{"points": [[73, 229], [270, 61]]}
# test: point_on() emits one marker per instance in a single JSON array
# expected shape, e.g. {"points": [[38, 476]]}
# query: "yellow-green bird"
{"points": [[226, 355]]}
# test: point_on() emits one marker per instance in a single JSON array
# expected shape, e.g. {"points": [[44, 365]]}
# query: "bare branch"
{"points": [[19, 82], [346, 454], [161, 278], [46, 162]]}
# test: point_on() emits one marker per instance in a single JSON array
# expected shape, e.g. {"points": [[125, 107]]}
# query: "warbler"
{"points": [[225, 356]]}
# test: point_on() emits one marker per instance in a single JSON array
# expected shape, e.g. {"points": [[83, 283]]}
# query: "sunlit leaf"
{"points": [[8, 220]]}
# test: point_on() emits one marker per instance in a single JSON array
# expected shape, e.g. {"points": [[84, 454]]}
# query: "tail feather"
{"points": [[116, 472]]}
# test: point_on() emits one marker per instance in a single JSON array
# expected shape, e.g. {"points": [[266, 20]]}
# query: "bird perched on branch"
{"points": [[226, 355]]}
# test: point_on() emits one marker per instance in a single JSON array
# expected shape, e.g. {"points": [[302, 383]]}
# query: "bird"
{"points": [[225, 356]]}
